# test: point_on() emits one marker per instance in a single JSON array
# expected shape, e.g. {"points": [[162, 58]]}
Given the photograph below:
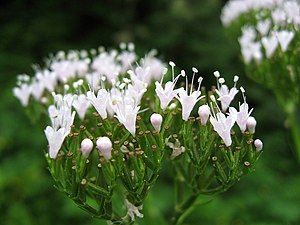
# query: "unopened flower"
{"points": [[86, 147], [251, 124], [204, 112], [156, 121], [258, 145], [104, 145]]}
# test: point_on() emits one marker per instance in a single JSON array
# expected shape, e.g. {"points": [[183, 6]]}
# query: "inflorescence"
{"points": [[114, 119]]}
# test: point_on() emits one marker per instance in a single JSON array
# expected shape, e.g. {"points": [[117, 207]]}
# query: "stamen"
{"points": [[243, 93], [221, 80], [200, 79], [172, 64]]}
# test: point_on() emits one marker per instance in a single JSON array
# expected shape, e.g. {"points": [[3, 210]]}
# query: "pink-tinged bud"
{"points": [[204, 112], [86, 147], [251, 124], [156, 121], [104, 145], [258, 145]]}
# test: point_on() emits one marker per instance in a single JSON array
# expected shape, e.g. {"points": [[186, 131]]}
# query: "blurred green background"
{"points": [[186, 32]]}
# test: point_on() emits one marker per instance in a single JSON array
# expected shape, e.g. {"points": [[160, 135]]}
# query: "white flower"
{"points": [[242, 116], [86, 147], [126, 111], [105, 64], [263, 27], [99, 102], [133, 211], [188, 100], [226, 96], [37, 89], [156, 121], [47, 79], [284, 38], [81, 104], [176, 147], [166, 94], [270, 44], [62, 115], [23, 93], [55, 139], [222, 125], [204, 112], [104, 145]]}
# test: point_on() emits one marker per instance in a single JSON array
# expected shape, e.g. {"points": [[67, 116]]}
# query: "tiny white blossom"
{"points": [[100, 102], [270, 44], [188, 99], [226, 96], [222, 125], [55, 140], [81, 104], [23, 93], [133, 211], [176, 147], [284, 38]]}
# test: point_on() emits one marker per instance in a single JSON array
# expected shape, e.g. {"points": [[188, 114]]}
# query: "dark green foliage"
{"points": [[187, 32]]}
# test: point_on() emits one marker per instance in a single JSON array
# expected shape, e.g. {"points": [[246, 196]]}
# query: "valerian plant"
{"points": [[268, 34], [114, 119]]}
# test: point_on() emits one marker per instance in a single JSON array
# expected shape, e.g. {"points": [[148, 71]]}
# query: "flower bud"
{"points": [[104, 145], [258, 145], [204, 112], [86, 147], [156, 121], [251, 124]]}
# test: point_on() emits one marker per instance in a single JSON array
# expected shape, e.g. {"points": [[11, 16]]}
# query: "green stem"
{"points": [[295, 131], [184, 209]]}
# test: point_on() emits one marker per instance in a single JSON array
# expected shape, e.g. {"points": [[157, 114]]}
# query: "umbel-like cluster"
{"points": [[269, 37], [114, 120]]}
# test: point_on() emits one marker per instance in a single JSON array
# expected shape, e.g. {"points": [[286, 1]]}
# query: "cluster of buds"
{"points": [[269, 41], [112, 129]]}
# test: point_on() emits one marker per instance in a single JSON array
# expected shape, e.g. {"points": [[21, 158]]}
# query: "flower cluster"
{"points": [[271, 26], [268, 33], [115, 122]]}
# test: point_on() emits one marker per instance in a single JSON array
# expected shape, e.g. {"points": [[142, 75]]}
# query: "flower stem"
{"points": [[184, 209]]}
